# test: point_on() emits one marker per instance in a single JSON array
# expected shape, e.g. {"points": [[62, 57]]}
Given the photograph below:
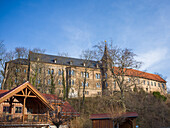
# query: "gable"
{"points": [[25, 90]]}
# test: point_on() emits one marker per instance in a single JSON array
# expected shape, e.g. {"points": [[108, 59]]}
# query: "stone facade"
{"points": [[47, 73]]}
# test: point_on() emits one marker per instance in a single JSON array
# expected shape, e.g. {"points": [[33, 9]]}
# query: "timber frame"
{"points": [[26, 107]]}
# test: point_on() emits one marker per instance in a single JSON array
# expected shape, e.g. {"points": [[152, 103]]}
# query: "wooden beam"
{"points": [[29, 93], [24, 95], [26, 91], [23, 92]]}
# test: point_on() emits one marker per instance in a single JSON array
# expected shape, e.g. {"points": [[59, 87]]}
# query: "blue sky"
{"points": [[74, 25]]}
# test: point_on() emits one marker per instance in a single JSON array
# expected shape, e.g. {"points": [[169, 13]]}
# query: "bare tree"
{"points": [[87, 56], [118, 62]]}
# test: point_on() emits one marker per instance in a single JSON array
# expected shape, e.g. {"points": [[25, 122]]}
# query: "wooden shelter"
{"points": [[106, 120], [24, 106]]}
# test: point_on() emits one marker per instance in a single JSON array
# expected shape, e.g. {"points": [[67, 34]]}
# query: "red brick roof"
{"points": [[141, 74], [67, 109], [109, 116], [3, 92]]}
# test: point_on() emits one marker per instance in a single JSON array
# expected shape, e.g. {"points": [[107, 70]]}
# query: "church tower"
{"points": [[106, 72]]}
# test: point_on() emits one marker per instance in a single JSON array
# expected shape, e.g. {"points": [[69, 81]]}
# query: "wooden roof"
{"points": [[109, 116], [4, 94]]}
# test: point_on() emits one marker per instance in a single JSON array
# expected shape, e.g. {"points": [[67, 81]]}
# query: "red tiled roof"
{"points": [[3, 92], [141, 74], [50, 96], [68, 109], [109, 116]]}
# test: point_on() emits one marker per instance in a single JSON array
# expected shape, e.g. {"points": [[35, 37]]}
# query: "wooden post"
{"points": [[23, 110]]}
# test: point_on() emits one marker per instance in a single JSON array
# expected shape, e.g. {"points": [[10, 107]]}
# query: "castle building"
{"points": [[56, 74]]}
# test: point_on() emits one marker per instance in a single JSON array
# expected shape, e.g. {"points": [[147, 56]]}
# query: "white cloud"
{"points": [[152, 57], [79, 38]]}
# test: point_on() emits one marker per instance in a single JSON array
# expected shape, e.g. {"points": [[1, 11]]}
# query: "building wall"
{"points": [[41, 74]]}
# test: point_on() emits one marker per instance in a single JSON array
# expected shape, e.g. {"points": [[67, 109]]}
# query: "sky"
{"points": [[75, 25]]}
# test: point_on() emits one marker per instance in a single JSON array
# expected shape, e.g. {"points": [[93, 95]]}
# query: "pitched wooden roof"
{"points": [[4, 94]]}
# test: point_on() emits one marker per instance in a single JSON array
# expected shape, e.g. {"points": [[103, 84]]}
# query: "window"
{"points": [[72, 82], [151, 83], [18, 109], [87, 74], [138, 81], [97, 85], [81, 74], [114, 83], [72, 91], [99, 93], [155, 83], [39, 81], [17, 70], [16, 81], [87, 92], [69, 72], [52, 71], [97, 76], [5, 109], [144, 82], [25, 70], [106, 84], [69, 82], [148, 82], [59, 91], [87, 84], [129, 79], [49, 81], [163, 86], [105, 75], [158, 84], [48, 71], [72, 72], [59, 82], [59, 72]]}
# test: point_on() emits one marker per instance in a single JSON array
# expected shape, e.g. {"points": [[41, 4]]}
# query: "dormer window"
{"points": [[97, 65], [71, 62], [55, 61]]}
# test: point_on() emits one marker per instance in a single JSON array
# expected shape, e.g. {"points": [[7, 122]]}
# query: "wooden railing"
{"points": [[28, 118]]}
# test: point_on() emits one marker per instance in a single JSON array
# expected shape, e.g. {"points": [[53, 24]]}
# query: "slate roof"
{"points": [[79, 62], [20, 61], [61, 60]]}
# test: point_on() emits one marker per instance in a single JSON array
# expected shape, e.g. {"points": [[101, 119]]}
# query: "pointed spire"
{"points": [[105, 50]]}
